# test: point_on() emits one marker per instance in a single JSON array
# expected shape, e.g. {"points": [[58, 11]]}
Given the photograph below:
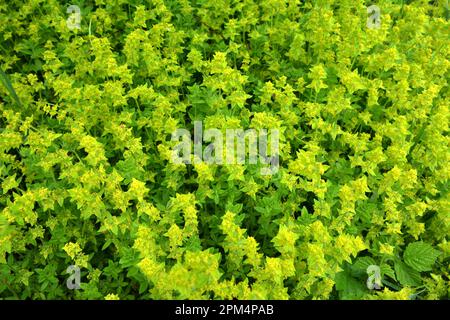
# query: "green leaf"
{"points": [[349, 287], [10, 183], [7, 83], [130, 169], [406, 275], [387, 270], [420, 256], [361, 264]]}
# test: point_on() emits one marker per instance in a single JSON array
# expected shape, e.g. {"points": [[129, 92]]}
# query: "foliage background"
{"points": [[86, 179]]}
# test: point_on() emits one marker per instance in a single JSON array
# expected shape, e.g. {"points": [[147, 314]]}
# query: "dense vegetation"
{"points": [[86, 117]]}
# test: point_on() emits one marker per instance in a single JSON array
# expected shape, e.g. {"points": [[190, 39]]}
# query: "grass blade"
{"points": [[7, 83]]}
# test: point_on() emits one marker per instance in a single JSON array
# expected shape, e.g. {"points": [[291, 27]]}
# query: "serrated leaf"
{"points": [[349, 287], [388, 271], [406, 275], [361, 264], [420, 256]]}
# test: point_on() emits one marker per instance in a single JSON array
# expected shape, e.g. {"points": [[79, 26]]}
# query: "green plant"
{"points": [[85, 171]]}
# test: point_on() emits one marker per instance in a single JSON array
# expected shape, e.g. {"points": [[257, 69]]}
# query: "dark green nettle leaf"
{"points": [[349, 287], [361, 264], [387, 270], [406, 275], [420, 256]]}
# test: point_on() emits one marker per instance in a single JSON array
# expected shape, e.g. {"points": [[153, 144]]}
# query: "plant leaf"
{"points": [[420, 256], [387, 270], [407, 276], [361, 264], [7, 83]]}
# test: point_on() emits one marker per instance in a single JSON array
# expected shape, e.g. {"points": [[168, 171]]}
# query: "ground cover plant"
{"points": [[88, 106]]}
